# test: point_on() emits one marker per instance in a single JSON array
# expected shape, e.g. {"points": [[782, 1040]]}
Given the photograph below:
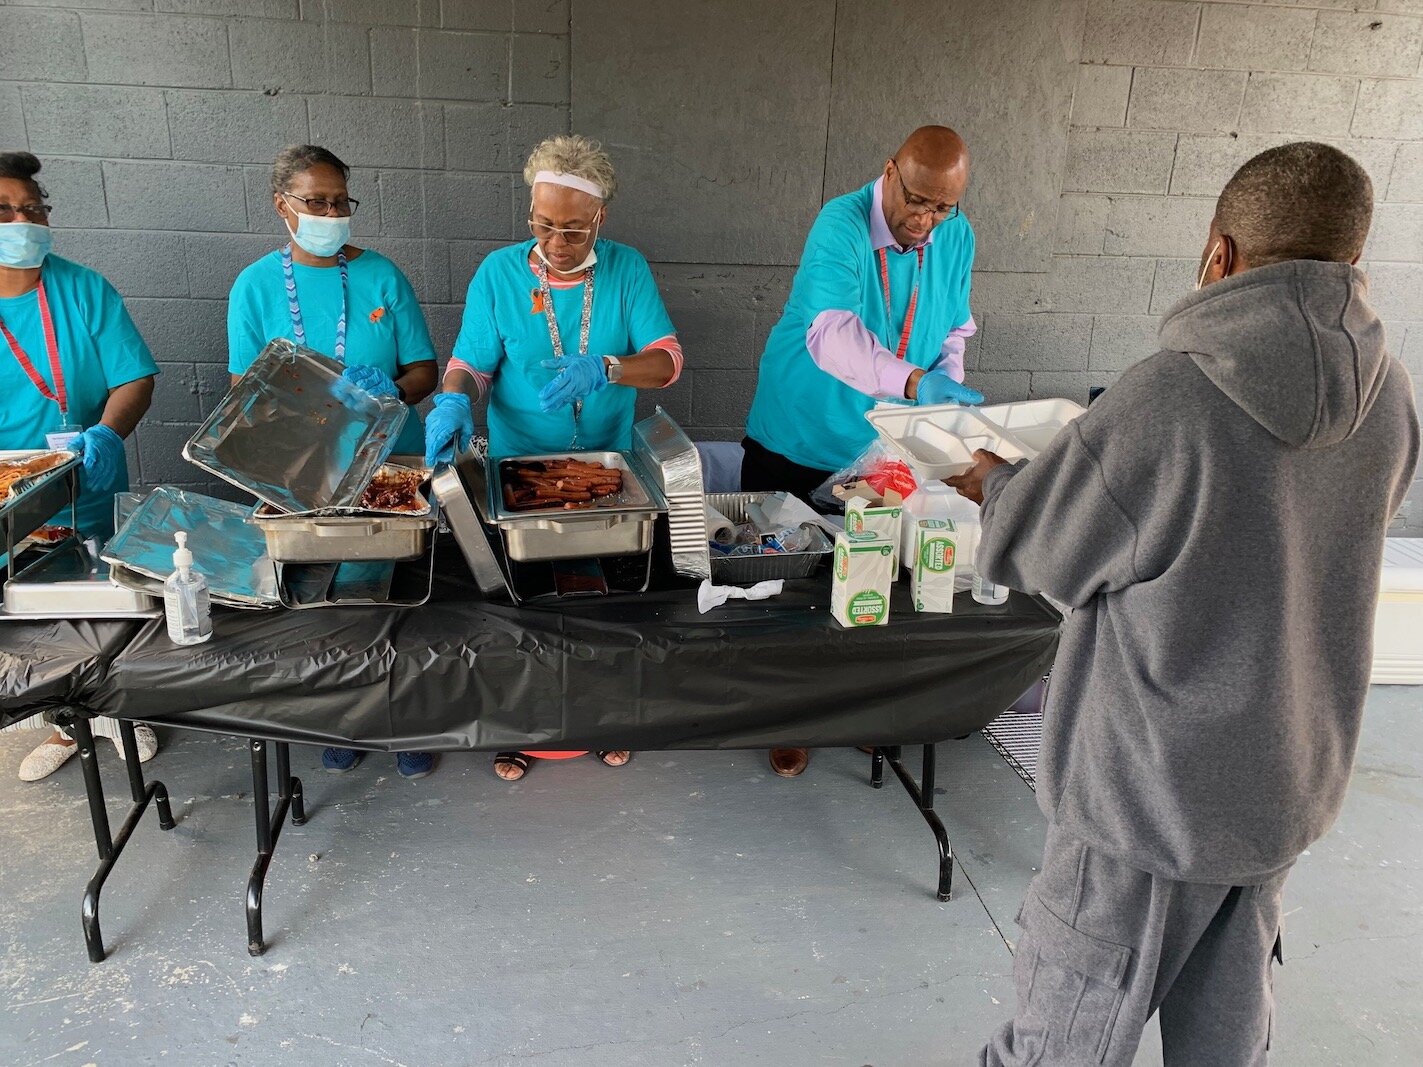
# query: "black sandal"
{"points": [[514, 759], [603, 755]]}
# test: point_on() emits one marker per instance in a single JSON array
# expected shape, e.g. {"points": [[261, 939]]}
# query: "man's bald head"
{"points": [[1299, 201], [923, 182], [936, 148]]}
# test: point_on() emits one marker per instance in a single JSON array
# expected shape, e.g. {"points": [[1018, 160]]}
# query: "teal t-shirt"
{"points": [[385, 327], [505, 334], [809, 416], [99, 349]]}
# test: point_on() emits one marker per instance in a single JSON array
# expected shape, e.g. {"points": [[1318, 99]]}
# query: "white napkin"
{"points": [[784, 510], [714, 596]]}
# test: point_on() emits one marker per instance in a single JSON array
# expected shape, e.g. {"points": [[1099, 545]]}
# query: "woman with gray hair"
{"points": [[559, 332]]}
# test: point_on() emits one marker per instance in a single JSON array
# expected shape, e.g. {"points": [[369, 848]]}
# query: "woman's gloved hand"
{"points": [[580, 377], [936, 387], [103, 452], [448, 427], [373, 380]]}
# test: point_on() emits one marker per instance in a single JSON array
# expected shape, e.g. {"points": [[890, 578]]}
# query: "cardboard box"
{"points": [[861, 579], [867, 511], [932, 567]]}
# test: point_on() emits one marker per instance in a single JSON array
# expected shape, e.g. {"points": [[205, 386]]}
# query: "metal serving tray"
{"points": [[297, 435], [67, 583], [335, 538], [32, 502], [352, 583], [764, 566], [229, 552], [621, 526], [463, 492]]}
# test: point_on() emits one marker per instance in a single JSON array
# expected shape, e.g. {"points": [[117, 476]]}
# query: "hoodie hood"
{"points": [[1295, 345]]}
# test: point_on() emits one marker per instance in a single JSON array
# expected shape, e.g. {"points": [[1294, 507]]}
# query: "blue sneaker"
{"points": [[412, 765], [340, 760]]}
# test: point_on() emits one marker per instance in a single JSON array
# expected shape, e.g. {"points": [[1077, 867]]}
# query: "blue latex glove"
{"points": [[937, 387], [103, 458], [373, 380], [448, 427], [581, 376]]}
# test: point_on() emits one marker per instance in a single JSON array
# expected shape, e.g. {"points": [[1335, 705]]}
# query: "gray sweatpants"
{"points": [[1104, 945]]}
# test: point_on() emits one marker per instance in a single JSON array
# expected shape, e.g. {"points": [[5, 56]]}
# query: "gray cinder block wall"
{"points": [[1102, 130]]}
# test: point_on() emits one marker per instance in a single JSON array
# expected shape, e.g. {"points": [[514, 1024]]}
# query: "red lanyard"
{"points": [[913, 299], [56, 370]]}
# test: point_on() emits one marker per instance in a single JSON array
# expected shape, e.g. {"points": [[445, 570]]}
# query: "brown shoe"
{"points": [[789, 762]]}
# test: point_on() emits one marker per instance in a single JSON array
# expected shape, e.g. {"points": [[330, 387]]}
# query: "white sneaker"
{"points": [[47, 758], [147, 743]]}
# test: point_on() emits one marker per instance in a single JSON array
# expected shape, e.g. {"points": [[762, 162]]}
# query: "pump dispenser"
{"points": [[185, 599]]}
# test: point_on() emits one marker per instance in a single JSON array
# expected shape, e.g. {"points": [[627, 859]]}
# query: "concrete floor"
{"points": [[689, 909]]}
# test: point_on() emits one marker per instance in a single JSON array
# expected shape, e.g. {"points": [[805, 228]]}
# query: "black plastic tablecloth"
{"points": [[641, 672], [43, 664]]}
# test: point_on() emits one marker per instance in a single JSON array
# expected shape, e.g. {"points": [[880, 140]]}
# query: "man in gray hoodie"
{"points": [[1216, 521]]}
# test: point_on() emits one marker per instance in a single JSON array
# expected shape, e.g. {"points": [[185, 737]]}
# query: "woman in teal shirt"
{"points": [[353, 304], [321, 291], [559, 331], [74, 373]]}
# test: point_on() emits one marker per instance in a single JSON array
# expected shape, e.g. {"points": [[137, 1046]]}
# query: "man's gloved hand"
{"points": [[580, 376], [373, 380], [103, 458], [936, 387], [448, 427]]}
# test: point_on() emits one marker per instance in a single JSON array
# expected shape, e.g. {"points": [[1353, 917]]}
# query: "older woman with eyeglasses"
{"points": [[351, 303], [74, 373], [559, 332]]}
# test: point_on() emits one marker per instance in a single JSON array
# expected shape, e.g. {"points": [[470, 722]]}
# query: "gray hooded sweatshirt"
{"points": [[1217, 519]]}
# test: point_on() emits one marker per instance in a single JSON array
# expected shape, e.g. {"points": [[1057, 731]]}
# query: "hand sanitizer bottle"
{"points": [[185, 599]]}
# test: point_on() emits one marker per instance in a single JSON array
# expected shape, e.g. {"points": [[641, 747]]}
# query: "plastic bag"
{"points": [[879, 465]]}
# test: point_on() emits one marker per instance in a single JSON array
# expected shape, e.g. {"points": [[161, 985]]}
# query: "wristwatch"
{"points": [[615, 368]]}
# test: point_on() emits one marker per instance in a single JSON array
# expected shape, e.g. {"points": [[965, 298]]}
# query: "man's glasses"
{"points": [[543, 232], [33, 212], [920, 205], [321, 206]]}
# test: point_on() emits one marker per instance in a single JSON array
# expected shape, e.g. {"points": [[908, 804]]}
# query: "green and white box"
{"points": [[862, 580], [867, 511], [931, 575]]}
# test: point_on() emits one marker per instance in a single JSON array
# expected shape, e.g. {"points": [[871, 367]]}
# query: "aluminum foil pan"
{"points": [[229, 552], [670, 459], [296, 434]]}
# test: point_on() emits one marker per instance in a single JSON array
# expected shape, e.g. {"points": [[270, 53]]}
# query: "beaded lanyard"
{"points": [[583, 329], [295, 305]]}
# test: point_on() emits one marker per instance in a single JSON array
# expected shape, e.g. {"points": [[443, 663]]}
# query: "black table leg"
{"points": [[269, 828], [110, 847], [922, 793]]}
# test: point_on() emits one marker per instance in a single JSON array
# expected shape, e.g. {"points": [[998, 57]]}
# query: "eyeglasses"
{"points": [[321, 206], [543, 232], [919, 205], [33, 212]]}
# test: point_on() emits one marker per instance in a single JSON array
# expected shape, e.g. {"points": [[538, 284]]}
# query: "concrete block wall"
{"points": [[157, 121], [1102, 131], [1171, 97]]}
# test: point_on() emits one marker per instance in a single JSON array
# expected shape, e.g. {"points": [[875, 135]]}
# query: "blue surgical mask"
{"points": [[322, 235], [24, 244]]}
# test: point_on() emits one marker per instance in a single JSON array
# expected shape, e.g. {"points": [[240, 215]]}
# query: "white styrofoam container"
{"points": [[1033, 422], [938, 440], [1398, 620]]}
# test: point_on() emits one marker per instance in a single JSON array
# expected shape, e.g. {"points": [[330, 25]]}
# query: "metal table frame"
{"points": [[75, 720], [290, 802]]}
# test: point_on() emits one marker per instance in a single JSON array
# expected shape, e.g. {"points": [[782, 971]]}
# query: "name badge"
{"points": [[63, 438]]}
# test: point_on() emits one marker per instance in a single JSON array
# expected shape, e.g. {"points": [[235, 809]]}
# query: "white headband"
{"points": [[572, 181]]}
